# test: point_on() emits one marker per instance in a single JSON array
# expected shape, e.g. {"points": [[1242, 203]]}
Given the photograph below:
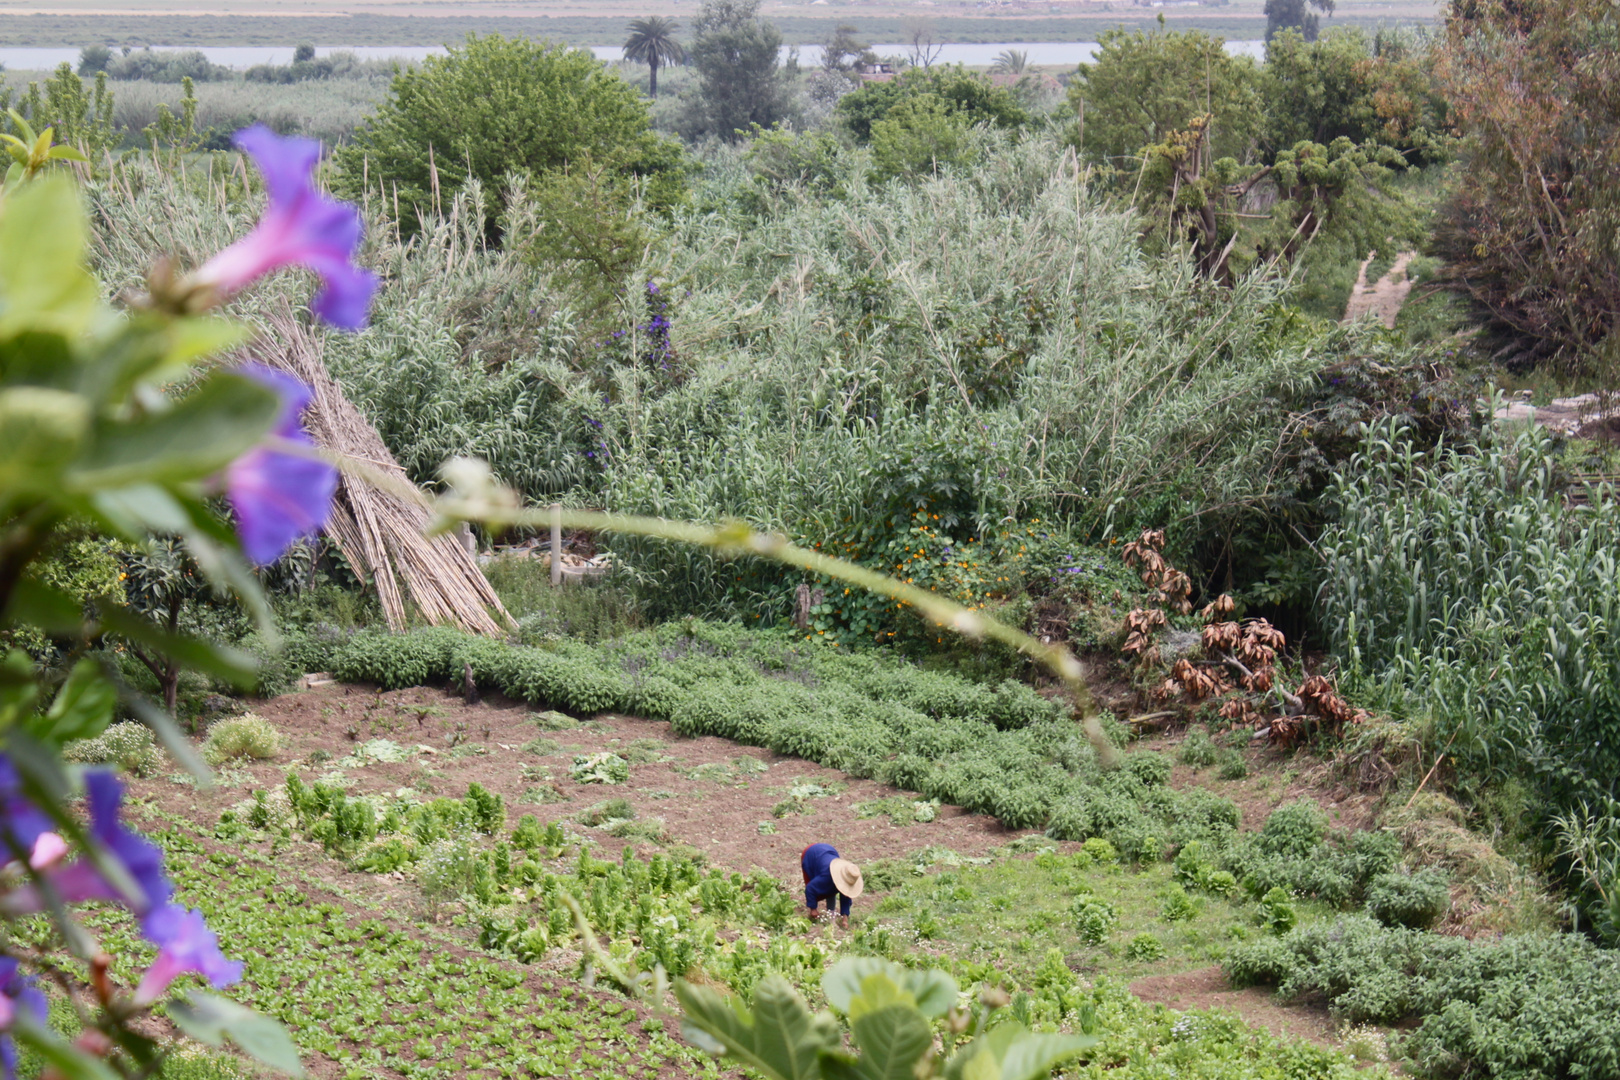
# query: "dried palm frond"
{"points": [[378, 529]]}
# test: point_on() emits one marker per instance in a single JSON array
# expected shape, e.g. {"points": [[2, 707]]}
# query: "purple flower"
{"points": [[185, 946], [21, 822], [279, 496], [80, 880], [18, 994], [300, 227]]}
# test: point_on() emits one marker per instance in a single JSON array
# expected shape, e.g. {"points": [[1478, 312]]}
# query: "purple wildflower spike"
{"points": [[185, 946], [279, 497], [300, 227]]}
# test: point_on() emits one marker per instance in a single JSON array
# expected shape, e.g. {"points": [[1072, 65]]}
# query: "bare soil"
{"points": [[1382, 300], [1207, 988]]}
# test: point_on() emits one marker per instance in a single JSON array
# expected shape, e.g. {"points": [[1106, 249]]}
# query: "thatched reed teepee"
{"points": [[379, 528]]}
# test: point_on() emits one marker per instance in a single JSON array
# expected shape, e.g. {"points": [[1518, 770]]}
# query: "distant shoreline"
{"points": [[192, 31]]}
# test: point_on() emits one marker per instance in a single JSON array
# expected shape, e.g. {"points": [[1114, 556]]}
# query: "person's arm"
{"points": [[843, 905]]}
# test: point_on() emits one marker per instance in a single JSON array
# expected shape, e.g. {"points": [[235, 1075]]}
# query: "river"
{"points": [[1048, 53]]}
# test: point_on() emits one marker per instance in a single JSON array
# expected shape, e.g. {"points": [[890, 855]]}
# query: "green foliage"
{"points": [[1140, 87], [1144, 948], [1197, 749], [497, 106], [1093, 919], [80, 119], [128, 747], [888, 1010], [1364, 88], [606, 768], [1416, 900], [162, 66], [1276, 912], [1294, 15], [919, 136], [1526, 1007], [1002, 750], [952, 98], [1293, 853], [740, 80], [1464, 587], [248, 736]]}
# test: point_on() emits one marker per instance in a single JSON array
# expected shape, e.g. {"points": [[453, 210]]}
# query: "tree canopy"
{"points": [[497, 106], [652, 42], [1141, 87], [967, 97], [740, 78]]}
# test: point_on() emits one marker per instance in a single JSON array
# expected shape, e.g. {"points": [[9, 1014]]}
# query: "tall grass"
{"points": [[990, 338], [325, 109], [1464, 586]]}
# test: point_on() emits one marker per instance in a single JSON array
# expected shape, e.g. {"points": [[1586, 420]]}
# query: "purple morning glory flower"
{"points": [[18, 994], [300, 227], [279, 497], [21, 822], [185, 946], [80, 880]]}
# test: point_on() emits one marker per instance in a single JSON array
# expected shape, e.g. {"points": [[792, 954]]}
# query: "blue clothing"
{"points": [[816, 862]]}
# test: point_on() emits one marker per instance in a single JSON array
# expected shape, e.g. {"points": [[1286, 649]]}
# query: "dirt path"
{"points": [[1207, 988], [1383, 299]]}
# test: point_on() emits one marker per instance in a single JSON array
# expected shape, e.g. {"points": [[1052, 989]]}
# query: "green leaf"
{"points": [[139, 509], [892, 1040], [934, 991], [219, 660], [66, 153], [210, 1019], [83, 707], [780, 1038], [51, 610], [43, 282], [1011, 1052], [41, 430], [199, 436], [66, 1059]]}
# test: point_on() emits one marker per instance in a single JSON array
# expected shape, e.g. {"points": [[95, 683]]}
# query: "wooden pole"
{"points": [[556, 545]]}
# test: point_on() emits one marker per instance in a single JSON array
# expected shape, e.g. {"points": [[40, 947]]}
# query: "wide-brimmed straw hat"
{"points": [[847, 878]]}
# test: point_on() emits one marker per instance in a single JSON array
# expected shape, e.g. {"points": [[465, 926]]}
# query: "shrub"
{"points": [[128, 747], [1094, 918], [1149, 766], [1276, 912], [1527, 1007], [1413, 900], [1175, 905], [1144, 947], [1294, 829], [1198, 749], [499, 105], [605, 768], [245, 736]]}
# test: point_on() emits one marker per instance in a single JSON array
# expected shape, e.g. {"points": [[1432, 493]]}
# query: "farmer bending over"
{"points": [[826, 876]]}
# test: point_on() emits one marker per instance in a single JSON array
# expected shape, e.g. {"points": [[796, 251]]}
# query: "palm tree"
{"points": [[652, 42], [1010, 62]]}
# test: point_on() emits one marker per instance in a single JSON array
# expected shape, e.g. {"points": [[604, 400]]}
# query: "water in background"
{"points": [[1064, 53]]}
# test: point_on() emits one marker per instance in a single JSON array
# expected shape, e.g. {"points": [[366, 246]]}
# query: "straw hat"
{"points": [[847, 878]]}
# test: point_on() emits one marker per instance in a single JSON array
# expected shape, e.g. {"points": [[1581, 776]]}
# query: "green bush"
{"points": [[1198, 749], [1145, 948], [129, 747], [1094, 918], [1416, 900], [246, 736], [496, 106], [1525, 1007]]}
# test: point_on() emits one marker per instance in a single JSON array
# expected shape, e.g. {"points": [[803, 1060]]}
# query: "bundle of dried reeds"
{"points": [[379, 527]]}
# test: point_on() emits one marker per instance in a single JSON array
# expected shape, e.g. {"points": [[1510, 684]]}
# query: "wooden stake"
{"points": [[556, 545]]}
